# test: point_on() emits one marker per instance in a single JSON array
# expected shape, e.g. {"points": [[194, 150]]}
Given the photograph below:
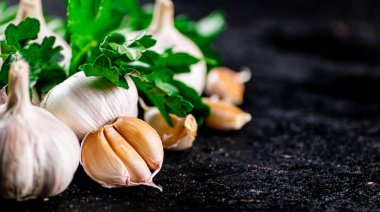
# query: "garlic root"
{"points": [[40, 154]]}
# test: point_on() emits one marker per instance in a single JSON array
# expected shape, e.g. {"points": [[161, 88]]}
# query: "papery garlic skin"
{"points": [[40, 154], [225, 116], [180, 136], [163, 30], [33, 9], [3, 96], [227, 84], [88, 103], [120, 154]]}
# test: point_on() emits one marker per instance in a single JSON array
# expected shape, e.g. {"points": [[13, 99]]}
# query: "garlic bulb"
{"points": [[33, 9], [163, 30], [121, 153], [179, 137], [39, 154], [88, 103], [225, 116], [227, 84]]}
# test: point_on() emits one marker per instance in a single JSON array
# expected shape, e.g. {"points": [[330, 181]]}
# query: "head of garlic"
{"points": [[163, 30], [122, 153], [40, 154], [33, 9], [88, 103]]}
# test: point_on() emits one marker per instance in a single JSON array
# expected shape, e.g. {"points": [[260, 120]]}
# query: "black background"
{"points": [[314, 139]]}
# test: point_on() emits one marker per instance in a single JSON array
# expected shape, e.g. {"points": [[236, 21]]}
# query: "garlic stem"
{"points": [[18, 86], [32, 9], [163, 16]]}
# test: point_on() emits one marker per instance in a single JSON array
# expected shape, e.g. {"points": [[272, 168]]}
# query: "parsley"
{"points": [[89, 21], [43, 58], [152, 73]]}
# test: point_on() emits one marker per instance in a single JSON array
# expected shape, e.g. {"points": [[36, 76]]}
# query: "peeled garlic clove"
{"points": [[143, 138], [163, 30], [227, 84], [88, 103], [111, 157], [179, 137], [225, 116], [33, 9], [39, 154]]}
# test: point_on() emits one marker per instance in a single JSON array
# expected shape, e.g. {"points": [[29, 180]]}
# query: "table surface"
{"points": [[314, 139]]}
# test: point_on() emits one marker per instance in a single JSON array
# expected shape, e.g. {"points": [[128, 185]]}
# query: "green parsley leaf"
{"points": [[165, 100], [43, 58], [18, 36], [200, 110], [179, 62]]}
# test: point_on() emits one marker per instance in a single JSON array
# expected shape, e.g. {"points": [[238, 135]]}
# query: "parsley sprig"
{"points": [[153, 73], [43, 58]]}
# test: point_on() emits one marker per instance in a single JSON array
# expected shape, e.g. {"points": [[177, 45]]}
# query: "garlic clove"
{"points": [[143, 138], [163, 30], [88, 103], [33, 9], [40, 154], [227, 84], [179, 137], [135, 164], [225, 116], [101, 163], [110, 157]]}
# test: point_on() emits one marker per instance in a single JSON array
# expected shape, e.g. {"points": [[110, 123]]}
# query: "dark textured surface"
{"points": [[314, 140]]}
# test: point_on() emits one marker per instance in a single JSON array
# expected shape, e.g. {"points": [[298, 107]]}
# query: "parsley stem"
{"points": [[78, 57], [4, 55]]}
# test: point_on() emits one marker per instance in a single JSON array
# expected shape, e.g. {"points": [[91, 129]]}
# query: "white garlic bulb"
{"points": [[88, 103], [163, 30], [39, 154], [33, 9]]}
